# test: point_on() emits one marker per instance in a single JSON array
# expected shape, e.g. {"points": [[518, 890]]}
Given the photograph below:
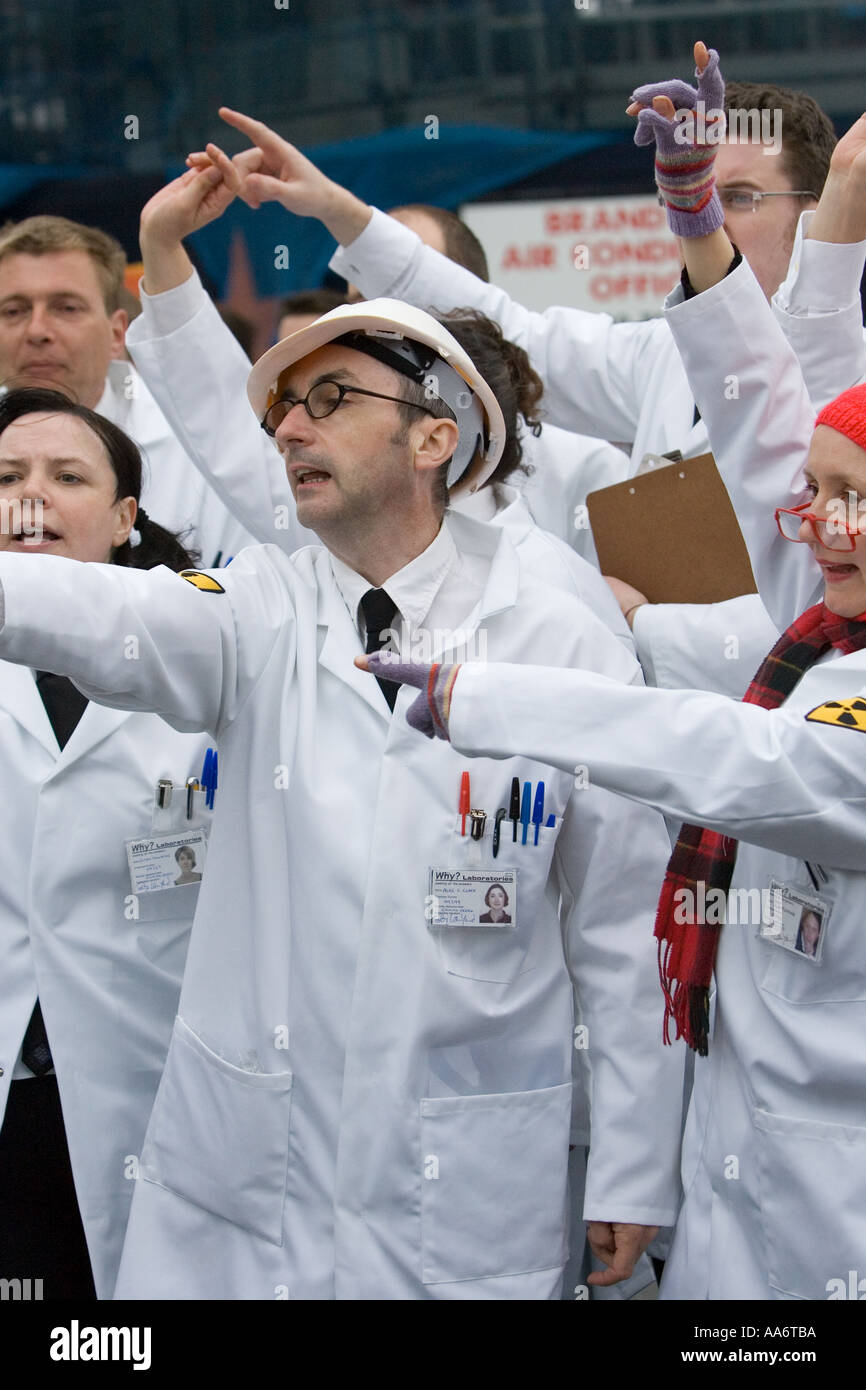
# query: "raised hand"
{"points": [[686, 138], [191, 201], [841, 212]]}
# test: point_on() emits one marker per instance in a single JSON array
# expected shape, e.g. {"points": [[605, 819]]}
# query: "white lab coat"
{"points": [[566, 467], [108, 981], [352, 1101], [198, 372], [774, 1160], [704, 646], [775, 1151], [173, 492]]}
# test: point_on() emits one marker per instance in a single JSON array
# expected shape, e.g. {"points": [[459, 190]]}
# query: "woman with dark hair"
{"points": [[90, 970], [496, 900]]}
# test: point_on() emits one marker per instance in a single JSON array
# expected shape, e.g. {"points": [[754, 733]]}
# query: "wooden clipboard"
{"points": [[673, 534]]}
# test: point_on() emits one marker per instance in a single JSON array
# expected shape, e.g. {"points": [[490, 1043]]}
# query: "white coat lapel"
{"points": [[95, 724], [341, 642], [20, 698]]}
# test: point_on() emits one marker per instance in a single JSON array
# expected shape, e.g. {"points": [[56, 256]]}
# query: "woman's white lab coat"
{"points": [[774, 1163], [106, 968], [355, 1105]]}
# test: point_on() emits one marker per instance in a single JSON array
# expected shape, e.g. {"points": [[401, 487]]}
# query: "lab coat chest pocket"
{"points": [[219, 1136], [494, 1183], [487, 951], [840, 976], [815, 1230]]}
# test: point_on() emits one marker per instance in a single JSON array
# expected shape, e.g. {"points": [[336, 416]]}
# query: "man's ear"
{"points": [[434, 441], [119, 321]]}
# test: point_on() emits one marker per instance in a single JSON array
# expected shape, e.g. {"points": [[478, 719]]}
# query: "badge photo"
{"points": [[799, 921]]}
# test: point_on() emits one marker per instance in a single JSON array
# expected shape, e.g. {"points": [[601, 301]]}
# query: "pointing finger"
{"points": [[257, 131]]}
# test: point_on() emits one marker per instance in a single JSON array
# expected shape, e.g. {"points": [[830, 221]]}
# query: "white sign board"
{"points": [[611, 254]]}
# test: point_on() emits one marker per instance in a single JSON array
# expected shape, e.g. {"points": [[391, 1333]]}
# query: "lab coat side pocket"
{"points": [[219, 1136], [493, 1198], [813, 1202]]}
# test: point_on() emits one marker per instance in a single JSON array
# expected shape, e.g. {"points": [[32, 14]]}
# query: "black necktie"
{"points": [[379, 610], [64, 706]]}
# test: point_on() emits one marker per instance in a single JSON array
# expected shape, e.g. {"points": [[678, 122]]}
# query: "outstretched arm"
{"points": [[778, 778], [144, 639]]}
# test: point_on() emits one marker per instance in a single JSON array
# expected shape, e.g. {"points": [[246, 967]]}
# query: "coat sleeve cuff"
{"points": [[163, 314], [823, 277], [379, 258]]}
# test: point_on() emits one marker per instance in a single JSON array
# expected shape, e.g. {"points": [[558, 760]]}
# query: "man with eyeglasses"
{"points": [[369, 1090]]}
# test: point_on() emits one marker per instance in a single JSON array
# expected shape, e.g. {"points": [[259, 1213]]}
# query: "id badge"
{"points": [[159, 862], [474, 898], [799, 921]]}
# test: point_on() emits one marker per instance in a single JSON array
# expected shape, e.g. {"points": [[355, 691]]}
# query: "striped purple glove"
{"points": [[429, 713], [686, 147]]}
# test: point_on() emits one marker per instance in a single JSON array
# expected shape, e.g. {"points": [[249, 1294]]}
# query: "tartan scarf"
{"points": [[705, 859]]}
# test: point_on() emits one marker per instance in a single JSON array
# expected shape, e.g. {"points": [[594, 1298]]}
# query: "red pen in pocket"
{"points": [[464, 803]]}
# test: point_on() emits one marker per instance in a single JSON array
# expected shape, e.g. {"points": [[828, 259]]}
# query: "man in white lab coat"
{"points": [[61, 325], [368, 1092]]}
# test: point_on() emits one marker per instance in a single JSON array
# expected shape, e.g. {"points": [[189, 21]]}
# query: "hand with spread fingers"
{"points": [[686, 124], [429, 713]]}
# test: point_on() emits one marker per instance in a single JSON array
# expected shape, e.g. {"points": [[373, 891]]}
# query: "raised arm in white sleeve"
{"points": [[818, 309], [197, 371], [751, 393]]}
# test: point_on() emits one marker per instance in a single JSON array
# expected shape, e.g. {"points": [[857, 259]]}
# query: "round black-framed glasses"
{"points": [[321, 401]]}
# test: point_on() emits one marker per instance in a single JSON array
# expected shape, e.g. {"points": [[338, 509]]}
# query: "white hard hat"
{"points": [[394, 333]]}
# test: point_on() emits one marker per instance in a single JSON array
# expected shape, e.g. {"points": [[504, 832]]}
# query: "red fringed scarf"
{"points": [[687, 948]]}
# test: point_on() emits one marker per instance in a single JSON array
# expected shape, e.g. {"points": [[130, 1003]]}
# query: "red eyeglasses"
{"points": [[829, 531]]}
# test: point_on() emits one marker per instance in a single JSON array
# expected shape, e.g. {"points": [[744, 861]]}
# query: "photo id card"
{"points": [[799, 921], [166, 861], [473, 898]]}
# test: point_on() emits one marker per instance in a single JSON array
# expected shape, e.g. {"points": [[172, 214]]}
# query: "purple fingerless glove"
{"points": [[686, 147], [429, 713]]}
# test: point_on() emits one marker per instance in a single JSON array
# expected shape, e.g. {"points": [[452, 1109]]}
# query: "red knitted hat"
{"points": [[847, 414]]}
